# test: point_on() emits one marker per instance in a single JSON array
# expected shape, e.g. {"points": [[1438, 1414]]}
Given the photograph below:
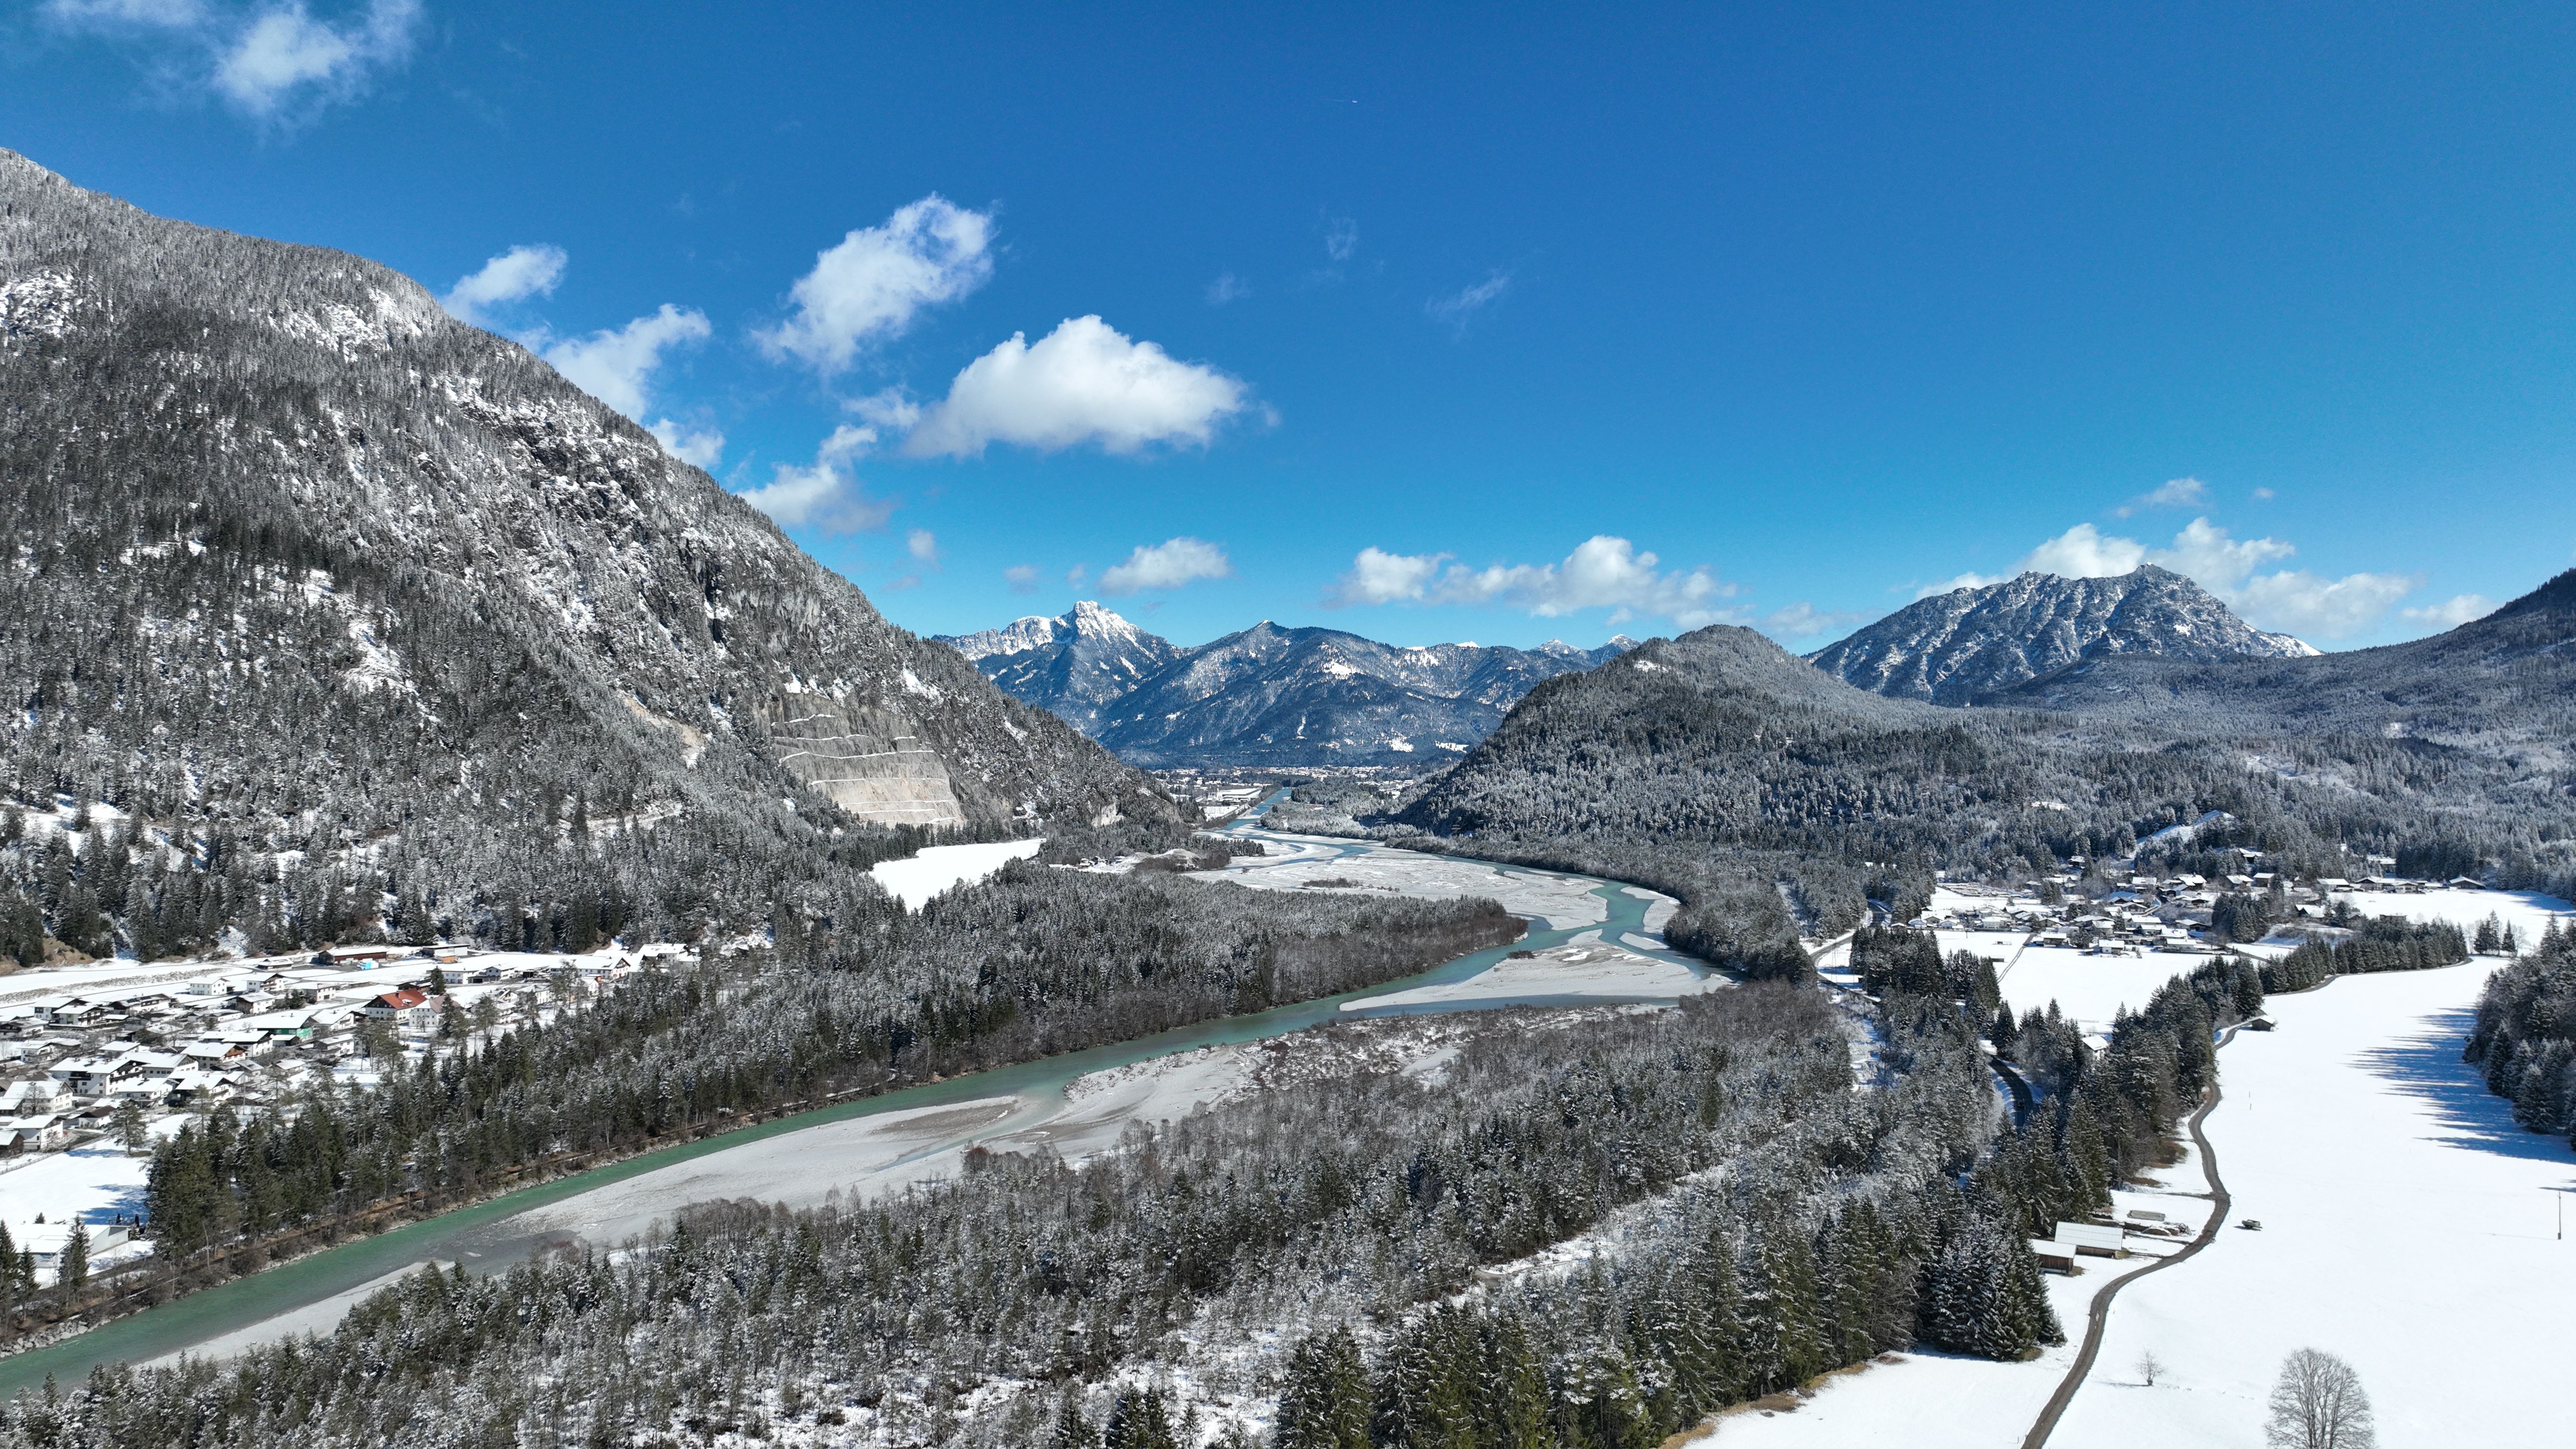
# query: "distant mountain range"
{"points": [[1264, 695], [1952, 648]]}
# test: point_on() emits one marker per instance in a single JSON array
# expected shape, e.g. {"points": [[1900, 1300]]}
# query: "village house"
{"points": [[42, 1132], [410, 1009]]}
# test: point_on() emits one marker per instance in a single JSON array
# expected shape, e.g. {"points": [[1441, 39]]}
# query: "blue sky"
{"points": [[1436, 325]]}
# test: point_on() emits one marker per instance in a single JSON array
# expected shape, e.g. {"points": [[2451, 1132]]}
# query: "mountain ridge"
{"points": [[1952, 647], [313, 572], [1265, 695]]}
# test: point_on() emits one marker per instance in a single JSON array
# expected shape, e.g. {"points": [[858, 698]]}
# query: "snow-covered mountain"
{"points": [[1951, 648], [1072, 664], [302, 563], [1317, 696], [1268, 695]]}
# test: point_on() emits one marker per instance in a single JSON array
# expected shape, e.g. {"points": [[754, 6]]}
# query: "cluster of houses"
{"points": [[70, 1062], [2142, 912]]}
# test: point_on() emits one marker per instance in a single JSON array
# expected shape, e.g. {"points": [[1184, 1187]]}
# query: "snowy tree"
{"points": [[2318, 1403]]}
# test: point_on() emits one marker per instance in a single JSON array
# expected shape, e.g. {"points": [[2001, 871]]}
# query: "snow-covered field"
{"points": [[96, 1182], [2408, 1226], [2528, 912], [916, 878], [2091, 989]]}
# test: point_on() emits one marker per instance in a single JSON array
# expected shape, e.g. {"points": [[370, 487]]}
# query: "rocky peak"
{"points": [[1951, 648]]}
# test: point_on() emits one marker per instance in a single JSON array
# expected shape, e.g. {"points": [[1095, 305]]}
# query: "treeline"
{"points": [[1029, 1295], [1892, 959], [1039, 961], [2377, 943], [2524, 1040], [2103, 1117]]}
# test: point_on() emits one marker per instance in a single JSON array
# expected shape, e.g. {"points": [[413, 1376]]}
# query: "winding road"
{"points": [[2099, 1316]]}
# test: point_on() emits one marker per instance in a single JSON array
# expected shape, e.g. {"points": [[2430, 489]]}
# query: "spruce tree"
{"points": [[75, 1269], [1072, 1430], [1141, 1419]]}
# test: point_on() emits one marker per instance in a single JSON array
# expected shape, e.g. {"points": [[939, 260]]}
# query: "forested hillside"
{"points": [[330, 600]]}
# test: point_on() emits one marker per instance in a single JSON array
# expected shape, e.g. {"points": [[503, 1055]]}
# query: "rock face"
{"points": [[1073, 664], [1265, 695], [1952, 648], [304, 561]]}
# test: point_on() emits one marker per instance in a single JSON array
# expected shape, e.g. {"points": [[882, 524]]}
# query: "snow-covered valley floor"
{"points": [[2408, 1226]]}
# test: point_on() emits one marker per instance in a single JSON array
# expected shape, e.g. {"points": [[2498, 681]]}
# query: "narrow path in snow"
{"points": [[2098, 1318]]}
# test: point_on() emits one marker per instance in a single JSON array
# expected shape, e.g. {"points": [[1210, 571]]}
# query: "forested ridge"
{"points": [[1773, 798]]}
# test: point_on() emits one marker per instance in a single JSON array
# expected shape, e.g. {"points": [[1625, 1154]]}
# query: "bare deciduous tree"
{"points": [[2148, 1367], [2317, 1403]]}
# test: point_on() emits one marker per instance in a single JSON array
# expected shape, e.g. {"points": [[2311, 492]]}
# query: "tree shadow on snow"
{"points": [[2427, 1067]]}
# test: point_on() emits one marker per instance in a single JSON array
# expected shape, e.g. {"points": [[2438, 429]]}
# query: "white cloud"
{"points": [[890, 410], [615, 365], [871, 286], [1023, 578], [2298, 602], [1227, 288], [1085, 382], [2174, 493], [2295, 601], [2260, 494], [1379, 577], [2083, 552], [513, 276], [1800, 622], [1074, 576], [823, 494], [2451, 613], [2203, 551], [1342, 239], [1455, 312], [1602, 572], [699, 447], [1969, 580], [285, 55], [1166, 565], [923, 545]]}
